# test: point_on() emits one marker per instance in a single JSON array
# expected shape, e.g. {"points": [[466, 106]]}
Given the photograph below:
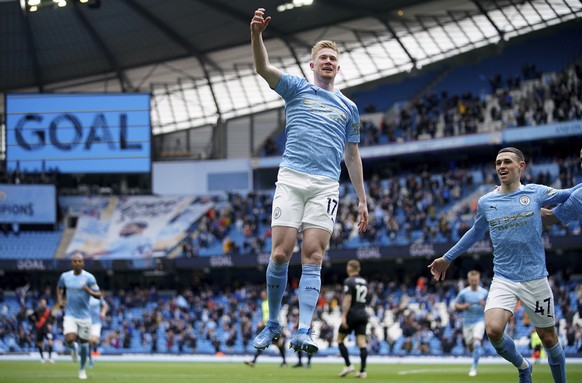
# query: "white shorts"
{"points": [[536, 297], [302, 200], [81, 327], [473, 331], [96, 330]]}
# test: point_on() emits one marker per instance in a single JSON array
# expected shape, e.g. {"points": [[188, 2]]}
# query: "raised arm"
{"points": [[354, 165], [260, 56]]}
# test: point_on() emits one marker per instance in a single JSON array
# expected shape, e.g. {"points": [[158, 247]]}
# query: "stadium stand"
{"points": [[418, 320], [427, 199]]}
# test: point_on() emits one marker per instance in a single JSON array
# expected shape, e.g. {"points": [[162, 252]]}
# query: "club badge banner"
{"points": [[134, 226]]}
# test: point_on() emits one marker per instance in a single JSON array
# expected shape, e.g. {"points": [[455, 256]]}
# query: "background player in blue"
{"points": [[80, 285], [354, 318], [512, 213], [471, 302], [322, 126], [98, 310], [568, 211]]}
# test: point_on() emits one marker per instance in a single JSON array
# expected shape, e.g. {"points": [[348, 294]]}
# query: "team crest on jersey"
{"points": [[277, 213], [524, 200]]}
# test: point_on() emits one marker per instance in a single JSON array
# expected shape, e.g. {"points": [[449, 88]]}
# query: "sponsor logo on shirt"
{"points": [[512, 220]]}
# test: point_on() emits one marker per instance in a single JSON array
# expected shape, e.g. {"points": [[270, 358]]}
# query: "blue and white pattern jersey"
{"points": [[571, 209], [96, 305], [78, 299], [515, 227], [476, 312], [319, 123]]}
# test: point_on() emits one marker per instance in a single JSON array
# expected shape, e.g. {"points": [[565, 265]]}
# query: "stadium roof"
{"points": [[194, 55]]}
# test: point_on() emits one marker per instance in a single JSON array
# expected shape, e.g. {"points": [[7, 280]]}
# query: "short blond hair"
{"points": [[322, 44], [354, 265]]}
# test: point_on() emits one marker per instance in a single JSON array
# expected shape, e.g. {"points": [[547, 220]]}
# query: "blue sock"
{"points": [[476, 353], [557, 362], [276, 285], [309, 286], [83, 353], [505, 347]]}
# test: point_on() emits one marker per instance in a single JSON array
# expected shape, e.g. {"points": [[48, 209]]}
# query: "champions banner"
{"points": [[28, 204], [134, 227]]}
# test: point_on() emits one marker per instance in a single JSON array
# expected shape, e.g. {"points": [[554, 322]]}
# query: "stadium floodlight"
{"points": [[293, 4], [29, 6]]}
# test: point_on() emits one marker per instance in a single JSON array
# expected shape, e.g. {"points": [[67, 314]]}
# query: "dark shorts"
{"points": [[42, 335], [358, 326]]}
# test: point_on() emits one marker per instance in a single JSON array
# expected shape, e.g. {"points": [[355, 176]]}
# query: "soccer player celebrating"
{"points": [[80, 285], [322, 126], [512, 213]]}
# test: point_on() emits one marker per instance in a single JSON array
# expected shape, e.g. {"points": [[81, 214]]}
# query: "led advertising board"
{"points": [[78, 133]]}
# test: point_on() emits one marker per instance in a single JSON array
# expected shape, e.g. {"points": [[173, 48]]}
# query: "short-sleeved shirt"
{"points": [[77, 299], [318, 125], [357, 288], [476, 312]]}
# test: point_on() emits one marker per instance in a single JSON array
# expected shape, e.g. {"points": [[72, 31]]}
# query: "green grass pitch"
{"points": [[198, 372]]}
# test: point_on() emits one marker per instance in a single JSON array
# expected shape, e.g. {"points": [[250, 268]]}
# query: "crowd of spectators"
{"points": [[530, 98], [421, 206], [411, 316]]}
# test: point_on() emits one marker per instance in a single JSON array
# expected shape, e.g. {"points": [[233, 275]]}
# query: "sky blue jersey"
{"points": [[96, 305], [571, 209], [77, 299], [515, 227], [319, 123], [476, 312]]}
